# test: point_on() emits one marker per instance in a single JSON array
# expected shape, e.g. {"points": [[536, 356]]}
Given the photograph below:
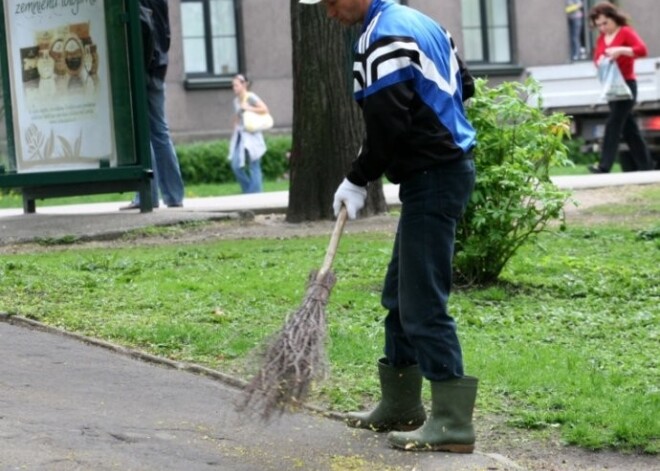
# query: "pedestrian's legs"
{"points": [[154, 184], [256, 178], [639, 151], [619, 113], [433, 202], [240, 169], [575, 30], [169, 173]]}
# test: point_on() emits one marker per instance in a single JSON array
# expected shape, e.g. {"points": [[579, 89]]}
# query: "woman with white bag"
{"points": [[619, 42], [247, 144]]}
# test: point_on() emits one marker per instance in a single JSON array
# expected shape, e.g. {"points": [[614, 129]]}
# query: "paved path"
{"points": [[66, 405], [105, 220]]}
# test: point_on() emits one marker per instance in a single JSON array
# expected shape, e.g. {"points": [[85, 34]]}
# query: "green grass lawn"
{"points": [[578, 169], [14, 200], [567, 340]]}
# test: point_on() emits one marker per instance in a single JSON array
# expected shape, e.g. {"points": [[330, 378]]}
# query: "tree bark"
{"points": [[327, 123]]}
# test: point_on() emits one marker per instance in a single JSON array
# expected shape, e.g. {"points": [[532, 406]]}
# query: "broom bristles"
{"points": [[295, 357]]}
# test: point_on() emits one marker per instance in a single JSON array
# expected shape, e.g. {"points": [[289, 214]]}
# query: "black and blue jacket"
{"points": [[407, 80]]}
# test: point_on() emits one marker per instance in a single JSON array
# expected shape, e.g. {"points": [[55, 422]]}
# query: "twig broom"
{"points": [[295, 357]]}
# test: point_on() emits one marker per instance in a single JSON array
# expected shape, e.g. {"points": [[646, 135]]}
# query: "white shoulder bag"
{"points": [[256, 122]]}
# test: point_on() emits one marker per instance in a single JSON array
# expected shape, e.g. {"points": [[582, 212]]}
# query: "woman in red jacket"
{"points": [[619, 41]]}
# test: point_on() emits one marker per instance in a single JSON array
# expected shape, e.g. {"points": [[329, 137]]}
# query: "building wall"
{"points": [[203, 114], [447, 13], [645, 15], [540, 37]]}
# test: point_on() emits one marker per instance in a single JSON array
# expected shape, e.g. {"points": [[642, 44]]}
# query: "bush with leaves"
{"points": [[206, 162], [577, 153], [513, 198]]}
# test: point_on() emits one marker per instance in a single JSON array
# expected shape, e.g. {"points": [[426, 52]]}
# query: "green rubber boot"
{"points": [[400, 406], [449, 428]]}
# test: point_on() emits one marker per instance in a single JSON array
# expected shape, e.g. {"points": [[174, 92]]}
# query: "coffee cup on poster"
{"points": [[73, 55], [57, 53]]}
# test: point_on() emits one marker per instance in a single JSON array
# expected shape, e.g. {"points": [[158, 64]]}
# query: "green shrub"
{"points": [[275, 162], [513, 198], [206, 162], [575, 148]]}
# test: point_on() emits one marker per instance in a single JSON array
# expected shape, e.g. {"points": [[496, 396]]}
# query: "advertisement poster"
{"points": [[60, 84]]}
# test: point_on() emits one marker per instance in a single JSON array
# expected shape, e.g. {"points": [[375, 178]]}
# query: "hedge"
{"points": [[206, 162]]}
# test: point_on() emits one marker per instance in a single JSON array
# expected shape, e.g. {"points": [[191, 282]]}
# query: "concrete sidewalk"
{"points": [[66, 405], [104, 220]]}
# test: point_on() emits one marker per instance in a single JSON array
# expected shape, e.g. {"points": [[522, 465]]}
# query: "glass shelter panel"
{"points": [[61, 99]]}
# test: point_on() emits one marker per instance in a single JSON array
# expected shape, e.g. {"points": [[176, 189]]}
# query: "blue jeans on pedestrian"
{"points": [[164, 162], [575, 32], [248, 176], [621, 122], [418, 327]]}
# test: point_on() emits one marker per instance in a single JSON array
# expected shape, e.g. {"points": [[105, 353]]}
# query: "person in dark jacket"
{"points": [[407, 80], [167, 174]]}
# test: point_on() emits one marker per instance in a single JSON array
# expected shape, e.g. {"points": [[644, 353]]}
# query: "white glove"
{"points": [[351, 196]]}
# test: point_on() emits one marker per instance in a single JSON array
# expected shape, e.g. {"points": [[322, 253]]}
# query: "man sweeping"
{"points": [[407, 80]]}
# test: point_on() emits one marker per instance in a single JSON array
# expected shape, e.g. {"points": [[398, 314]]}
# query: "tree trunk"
{"points": [[327, 123]]}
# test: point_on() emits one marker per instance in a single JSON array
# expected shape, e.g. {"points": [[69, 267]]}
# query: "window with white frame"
{"points": [[486, 31], [210, 38]]}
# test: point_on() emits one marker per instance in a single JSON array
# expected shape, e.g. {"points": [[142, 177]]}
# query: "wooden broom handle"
{"points": [[334, 242]]}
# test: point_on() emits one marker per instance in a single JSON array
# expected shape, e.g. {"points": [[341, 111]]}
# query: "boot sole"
{"points": [[381, 428], [451, 448]]}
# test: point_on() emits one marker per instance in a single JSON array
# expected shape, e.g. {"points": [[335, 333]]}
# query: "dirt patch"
{"points": [[532, 452], [581, 209], [268, 226]]}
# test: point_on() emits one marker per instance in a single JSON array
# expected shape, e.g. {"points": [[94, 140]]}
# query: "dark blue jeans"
{"points": [[418, 328], [164, 162], [575, 32], [621, 122]]}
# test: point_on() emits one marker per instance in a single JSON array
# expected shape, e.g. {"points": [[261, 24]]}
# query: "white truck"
{"points": [[574, 89]]}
